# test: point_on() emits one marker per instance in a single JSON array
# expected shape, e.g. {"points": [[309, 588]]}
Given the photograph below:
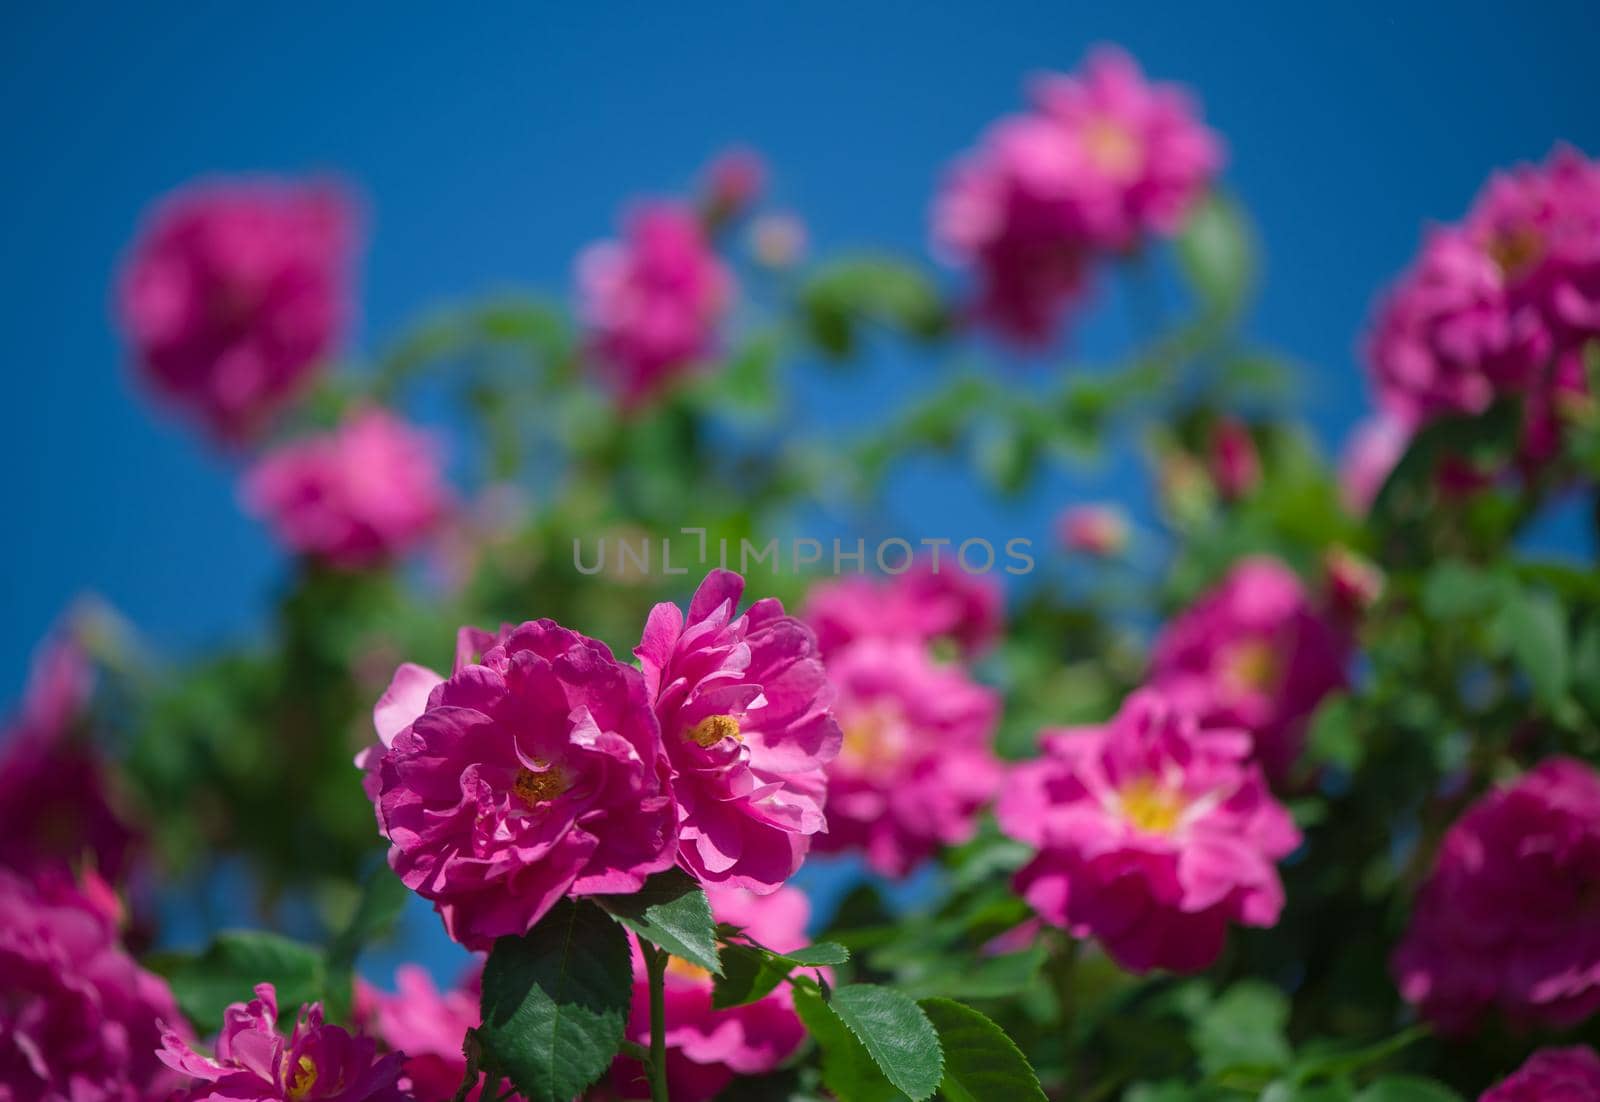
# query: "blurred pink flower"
{"points": [[652, 301], [55, 797], [706, 1048], [255, 1062], [916, 764], [79, 1020], [1506, 917], [1354, 583], [743, 705], [734, 181], [1099, 530], [425, 1025], [925, 603], [361, 494], [1152, 835], [1234, 462], [532, 773], [1253, 653], [1104, 159], [233, 295], [1551, 1075], [1370, 454]]}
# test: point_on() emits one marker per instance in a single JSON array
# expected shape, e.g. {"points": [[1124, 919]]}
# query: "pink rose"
{"points": [[1506, 918], [1551, 1075], [79, 1020], [426, 1025], [533, 772], [916, 766], [924, 604], [1098, 530], [1254, 654], [233, 295], [1153, 834], [255, 1062], [743, 705], [1235, 463], [1370, 454]]}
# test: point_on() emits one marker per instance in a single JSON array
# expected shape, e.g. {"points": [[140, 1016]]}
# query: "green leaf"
{"points": [[1216, 252], [848, 1069], [1333, 737], [1456, 590], [981, 1064], [555, 1002], [822, 953], [848, 292], [671, 911], [748, 974], [1533, 628], [1407, 1088], [383, 897], [231, 967], [1244, 1029], [896, 1034]]}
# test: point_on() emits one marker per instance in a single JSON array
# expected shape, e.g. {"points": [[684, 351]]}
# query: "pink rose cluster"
{"points": [[1551, 1075], [233, 295], [543, 767], [707, 1047], [359, 495], [1152, 834], [1499, 305], [1103, 160], [426, 1026], [916, 764], [78, 1018], [1506, 918], [256, 1062]]}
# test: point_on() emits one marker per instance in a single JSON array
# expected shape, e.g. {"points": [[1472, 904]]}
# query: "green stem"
{"points": [[655, 964]]}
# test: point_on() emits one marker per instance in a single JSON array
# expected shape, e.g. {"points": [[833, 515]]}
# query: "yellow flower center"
{"points": [[1253, 665], [688, 971], [712, 730], [1150, 807], [304, 1078], [1516, 250], [870, 743], [535, 789], [1113, 148]]}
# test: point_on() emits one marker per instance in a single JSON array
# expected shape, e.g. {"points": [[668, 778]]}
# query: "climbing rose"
{"points": [[916, 765], [78, 1018], [1104, 159], [426, 1025], [56, 809], [706, 1048], [255, 1062], [743, 705], [1253, 654], [1152, 833], [653, 300], [1551, 1075], [1506, 918], [366, 492], [928, 602], [530, 774], [233, 295]]}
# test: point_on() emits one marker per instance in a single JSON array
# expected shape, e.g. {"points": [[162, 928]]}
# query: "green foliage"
{"points": [[231, 967], [555, 1002], [981, 1064], [671, 912], [895, 1032]]}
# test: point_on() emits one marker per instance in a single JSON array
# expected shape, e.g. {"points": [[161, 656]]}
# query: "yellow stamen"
{"points": [[538, 789], [1516, 250], [1253, 665], [1114, 149], [688, 971], [1149, 807], [304, 1078], [712, 730]]}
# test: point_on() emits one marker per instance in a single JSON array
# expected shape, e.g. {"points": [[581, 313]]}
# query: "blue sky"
{"points": [[492, 145]]}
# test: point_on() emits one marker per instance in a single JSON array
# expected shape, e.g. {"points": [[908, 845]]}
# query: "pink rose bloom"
{"points": [[79, 1020], [923, 604], [706, 1048], [1098, 530], [255, 1062], [743, 705], [234, 293], [1354, 583], [653, 300], [1551, 1075], [734, 181], [366, 492], [531, 773], [426, 1025], [55, 798], [916, 765], [1153, 835], [1370, 454], [1506, 918], [1447, 339], [1254, 654], [1235, 463]]}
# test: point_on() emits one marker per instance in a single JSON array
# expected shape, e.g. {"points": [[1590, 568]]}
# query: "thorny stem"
{"points": [[655, 965]]}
